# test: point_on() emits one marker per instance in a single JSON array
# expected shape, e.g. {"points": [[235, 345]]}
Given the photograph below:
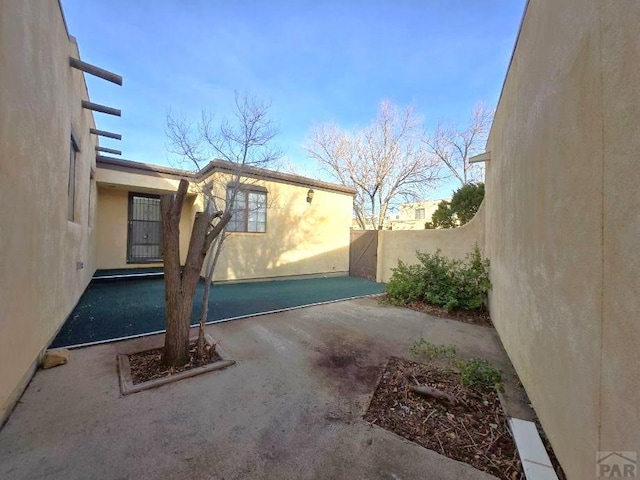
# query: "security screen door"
{"points": [[145, 229]]}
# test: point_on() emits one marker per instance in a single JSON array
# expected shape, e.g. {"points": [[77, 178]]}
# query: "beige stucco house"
{"points": [[66, 211], [286, 226], [413, 216], [410, 216]]}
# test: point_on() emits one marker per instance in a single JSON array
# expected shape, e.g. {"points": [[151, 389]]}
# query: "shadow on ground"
{"points": [[118, 308], [290, 409]]}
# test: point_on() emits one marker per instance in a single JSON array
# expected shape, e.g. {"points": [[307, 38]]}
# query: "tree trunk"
{"points": [[180, 282], [176, 344], [212, 261], [179, 293], [210, 237]]}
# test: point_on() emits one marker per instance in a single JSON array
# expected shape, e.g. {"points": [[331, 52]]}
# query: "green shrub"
{"points": [[405, 285], [472, 281], [479, 373], [438, 280], [422, 347]]}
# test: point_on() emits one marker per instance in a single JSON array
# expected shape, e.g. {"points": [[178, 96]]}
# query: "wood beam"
{"points": [[108, 150], [96, 71], [483, 157], [101, 108], [104, 133]]}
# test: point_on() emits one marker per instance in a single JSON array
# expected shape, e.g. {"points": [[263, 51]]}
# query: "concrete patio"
{"points": [[287, 410]]}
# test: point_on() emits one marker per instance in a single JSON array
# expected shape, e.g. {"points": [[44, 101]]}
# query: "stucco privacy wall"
{"points": [[620, 395], [562, 227], [394, 245], [301, 238], [40, 279]]}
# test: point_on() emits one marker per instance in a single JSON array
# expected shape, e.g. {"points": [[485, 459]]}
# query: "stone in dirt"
{"points": [[53, 358]]}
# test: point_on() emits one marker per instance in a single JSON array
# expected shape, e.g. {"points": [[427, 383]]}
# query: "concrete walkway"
{"points": [[287, 410]]}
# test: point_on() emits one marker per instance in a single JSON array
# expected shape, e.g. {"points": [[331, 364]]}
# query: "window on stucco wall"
{"points": [[74, 148], [249, 208], [419, 213], [92, 184]]}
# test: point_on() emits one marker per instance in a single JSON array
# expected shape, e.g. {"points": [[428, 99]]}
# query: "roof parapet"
{"points": [[221, 166]]}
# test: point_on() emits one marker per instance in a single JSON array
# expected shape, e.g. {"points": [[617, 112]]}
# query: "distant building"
{"points": [[413, 216]]}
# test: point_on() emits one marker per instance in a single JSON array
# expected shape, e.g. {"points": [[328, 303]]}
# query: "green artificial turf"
{"points": [[117, 308]]}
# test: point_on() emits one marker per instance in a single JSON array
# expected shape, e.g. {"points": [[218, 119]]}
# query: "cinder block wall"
{"points": [[40, 105]]}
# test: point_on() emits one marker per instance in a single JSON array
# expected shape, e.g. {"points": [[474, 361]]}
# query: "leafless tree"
{"points": [[454, 146], [181, 280], [244, 141], [384, 162]]}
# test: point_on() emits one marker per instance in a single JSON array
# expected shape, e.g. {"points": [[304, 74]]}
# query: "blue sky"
{"points": [[315, 61]]}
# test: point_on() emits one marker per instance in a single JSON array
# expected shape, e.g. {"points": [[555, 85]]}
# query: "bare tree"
{"points": [[242, 142], [454, 146], [384, 162], [181, 281]]}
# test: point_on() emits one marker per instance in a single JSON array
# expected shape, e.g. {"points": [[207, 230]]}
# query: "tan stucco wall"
{"points": [[394, 245], [112, 226], [620, 395], [40, 99], [150, 182], [562, 226], [301, 238]]}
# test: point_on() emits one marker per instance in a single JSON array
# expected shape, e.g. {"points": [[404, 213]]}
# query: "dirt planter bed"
{"points": [[473, 430], [130, 384]]}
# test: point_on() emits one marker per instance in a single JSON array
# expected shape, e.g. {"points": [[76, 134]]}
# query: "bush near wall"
{"points": [[453, 284]]}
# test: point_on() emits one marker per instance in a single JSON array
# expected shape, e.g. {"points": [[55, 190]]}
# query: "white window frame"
{"points": [[245, 217]]}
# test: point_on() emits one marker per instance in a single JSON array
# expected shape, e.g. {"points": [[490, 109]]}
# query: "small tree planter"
{"points": [[126, 380]]}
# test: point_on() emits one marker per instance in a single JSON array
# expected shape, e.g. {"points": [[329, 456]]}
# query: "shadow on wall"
{"points": [[394, 245], [113, 222], [298, 241]]}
